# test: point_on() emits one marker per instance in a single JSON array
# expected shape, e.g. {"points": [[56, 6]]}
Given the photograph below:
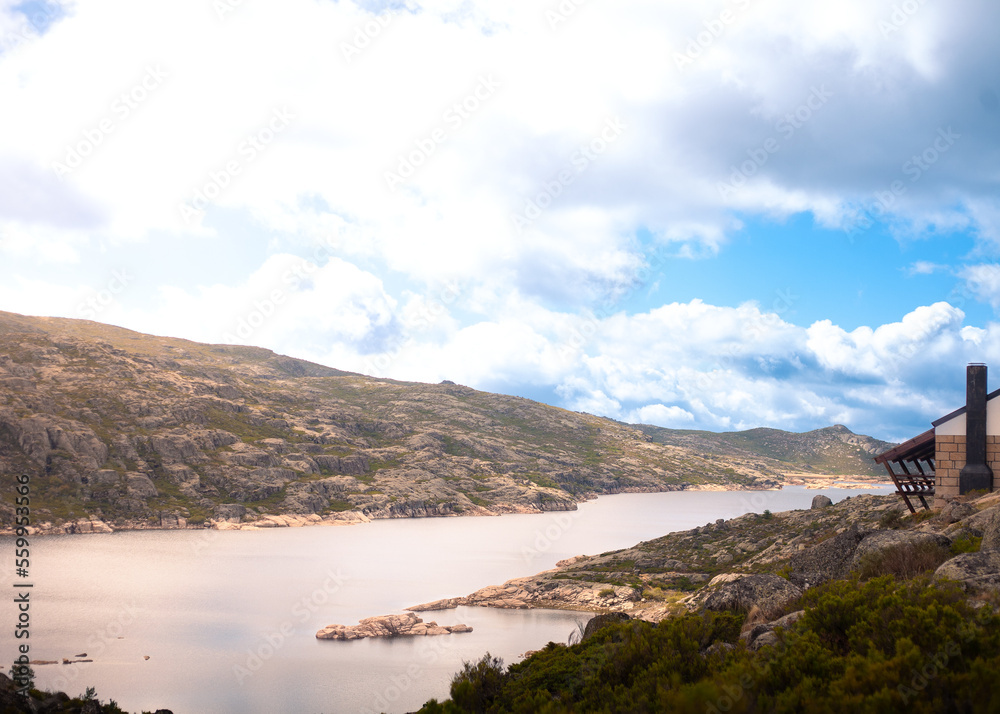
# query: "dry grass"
{"points": [[904, 561]]}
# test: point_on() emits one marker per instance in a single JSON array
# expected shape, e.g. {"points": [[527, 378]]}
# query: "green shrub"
{"points": [[891, 518], [878, 646], [968, 543], [478, 684]]}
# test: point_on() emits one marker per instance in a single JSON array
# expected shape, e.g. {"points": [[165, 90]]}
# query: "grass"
{"points": [[233, 423], [903, 561]]}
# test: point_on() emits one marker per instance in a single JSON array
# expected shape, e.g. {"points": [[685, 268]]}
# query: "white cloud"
{"points": [[983, 281], [661, 415], [924, 267], [212, 89], [790, 107]]}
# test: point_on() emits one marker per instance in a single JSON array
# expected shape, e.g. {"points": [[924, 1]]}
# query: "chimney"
{"points": [[976, 474]]}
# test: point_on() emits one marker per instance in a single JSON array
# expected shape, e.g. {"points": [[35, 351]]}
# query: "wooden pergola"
{"points": [[911, 466]]}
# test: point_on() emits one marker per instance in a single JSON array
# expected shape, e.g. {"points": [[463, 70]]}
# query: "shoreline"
{"points": [[557, 589], [94, 525]]}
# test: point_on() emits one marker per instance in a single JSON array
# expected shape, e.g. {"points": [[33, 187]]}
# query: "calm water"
{"points": [[228, 619]]}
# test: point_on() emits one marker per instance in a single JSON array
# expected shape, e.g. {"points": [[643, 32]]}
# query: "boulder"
{"points": [[978, 521], [599, 621], [770, 593], [764, 640], [140, 485], [720, 648], [829, 560], [789, 619], [821, 501], [756, 631], [955, 511], [991, 533], [975, 571]]}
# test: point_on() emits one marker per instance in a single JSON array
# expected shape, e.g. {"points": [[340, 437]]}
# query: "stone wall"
{"points": [[950, 458]]}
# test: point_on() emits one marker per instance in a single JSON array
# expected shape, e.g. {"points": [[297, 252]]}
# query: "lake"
{"points": [[228, 619]]}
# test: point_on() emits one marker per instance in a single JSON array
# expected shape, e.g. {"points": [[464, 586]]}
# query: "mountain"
{"points": [[831, 450], [118, 427]]}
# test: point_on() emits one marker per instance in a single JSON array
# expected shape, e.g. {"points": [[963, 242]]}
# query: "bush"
{"points": [[906, 560], [477, 685], [891, 518], [884, 645], [968, 543]]}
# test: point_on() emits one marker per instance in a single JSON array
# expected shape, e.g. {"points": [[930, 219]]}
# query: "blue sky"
{"points": [[713, 215]]}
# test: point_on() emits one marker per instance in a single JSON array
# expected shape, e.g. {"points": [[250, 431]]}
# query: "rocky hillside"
{"points": [[832, 450], [776, 557], [120, 428]]}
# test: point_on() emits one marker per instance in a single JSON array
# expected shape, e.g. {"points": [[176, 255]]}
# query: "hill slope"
{"points": [[144, 431], [831, 450]]}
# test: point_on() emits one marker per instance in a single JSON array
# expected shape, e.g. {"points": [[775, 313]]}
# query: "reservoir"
{"points": [[228, 619]]}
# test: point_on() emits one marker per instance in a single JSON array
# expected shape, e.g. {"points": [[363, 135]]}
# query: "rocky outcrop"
{"points": [[830, 560], [820, 501], [766, 633], [955, 511], [408, 625], [767, 593], [717, 566], [991, 532], [91, 525], [975, 571], [600, 621], [875, 543], [347, 518]]}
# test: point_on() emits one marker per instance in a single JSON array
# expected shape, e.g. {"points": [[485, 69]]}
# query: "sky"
{"points": [[716, 215]]}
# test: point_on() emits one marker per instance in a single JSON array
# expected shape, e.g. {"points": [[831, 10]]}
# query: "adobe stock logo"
{"points": [[787, 126], [581, 160], [453, 119], [247, 151]]}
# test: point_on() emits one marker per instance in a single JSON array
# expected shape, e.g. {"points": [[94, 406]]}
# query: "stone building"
{"points": [[961, 453]]}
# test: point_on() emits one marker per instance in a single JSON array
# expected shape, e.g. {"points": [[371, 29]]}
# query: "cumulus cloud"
{"points": [[488, 183], [983, 281], [662, 415]]}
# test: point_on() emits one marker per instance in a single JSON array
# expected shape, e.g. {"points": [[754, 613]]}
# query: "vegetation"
{"points": [[14, 701], [891, 519], [906, 560], [876, 646]]}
